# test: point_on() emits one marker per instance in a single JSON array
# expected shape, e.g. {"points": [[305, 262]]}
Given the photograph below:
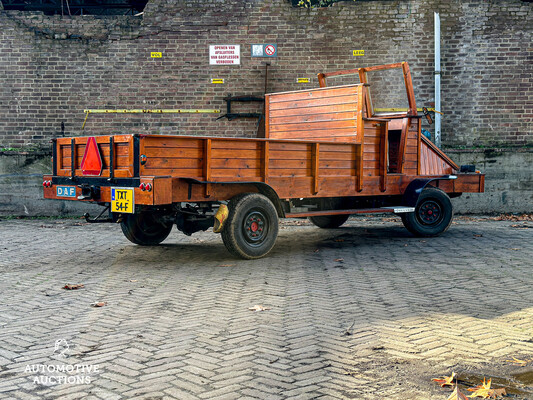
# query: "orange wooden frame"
{"points": [[362, 72]]}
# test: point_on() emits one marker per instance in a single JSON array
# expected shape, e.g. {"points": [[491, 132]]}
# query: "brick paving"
{"points": [[365, 311]]}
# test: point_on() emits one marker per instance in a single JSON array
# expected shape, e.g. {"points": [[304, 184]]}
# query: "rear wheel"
{"points": [[145, 228], [329, 221], [252, 226], [433, 214]]}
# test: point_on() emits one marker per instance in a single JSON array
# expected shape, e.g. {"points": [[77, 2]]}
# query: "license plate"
{"points": [[66, 191], [122, 200]]}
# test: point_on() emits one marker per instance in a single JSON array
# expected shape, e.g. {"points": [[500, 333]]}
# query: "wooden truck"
{"points": [[326, 155]]}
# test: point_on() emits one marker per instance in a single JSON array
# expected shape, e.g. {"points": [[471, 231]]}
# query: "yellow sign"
{"points": [[122, 200], [217, 80], [156, 54], [358, 52], [303, 80]]}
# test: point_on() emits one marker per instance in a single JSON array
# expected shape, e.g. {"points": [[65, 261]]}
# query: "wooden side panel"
{"points": [[432, 163], [173, 156], [321, 114]]}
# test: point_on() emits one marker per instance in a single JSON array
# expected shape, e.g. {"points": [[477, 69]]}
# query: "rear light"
{"points": [[149, 187], [145, 186], [142, 186], [47, 183]]}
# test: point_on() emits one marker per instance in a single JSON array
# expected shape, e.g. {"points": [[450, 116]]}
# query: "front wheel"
{"points": [[433, 214], [252, 226], [145, 228]]}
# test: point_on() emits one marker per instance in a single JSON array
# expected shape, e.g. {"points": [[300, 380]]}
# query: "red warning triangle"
{"points": [[92, 161]]}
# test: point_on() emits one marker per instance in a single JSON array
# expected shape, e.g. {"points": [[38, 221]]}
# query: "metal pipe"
{"points": [[437, 82]]}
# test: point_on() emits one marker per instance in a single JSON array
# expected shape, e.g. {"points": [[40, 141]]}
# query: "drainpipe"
{"points": [[437, 80]]}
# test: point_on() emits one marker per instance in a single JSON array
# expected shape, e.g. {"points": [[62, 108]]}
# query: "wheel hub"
{"points": [[430, 212], [255, 226]]}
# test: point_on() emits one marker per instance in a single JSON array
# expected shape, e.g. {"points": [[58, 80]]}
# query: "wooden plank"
{"points": [[382, 67], [171, 142], [174, 163], [266, 160], [337, 172], [291, 164], [207, 164], [286, 155], [267, 116], [349, 164], [315, 166], [174, 152], [326, 101], [403, 139], [300, 119], [383, 156], [347, 107], [313, 94], [409, 89], [313, 134], [312, 126], [321, 80]]}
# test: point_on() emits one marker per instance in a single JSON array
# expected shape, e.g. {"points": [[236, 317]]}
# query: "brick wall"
{"points": [[53, 67]]}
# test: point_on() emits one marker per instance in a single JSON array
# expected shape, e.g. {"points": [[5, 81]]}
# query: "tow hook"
{"points": [[220, 218], [89, 192]]}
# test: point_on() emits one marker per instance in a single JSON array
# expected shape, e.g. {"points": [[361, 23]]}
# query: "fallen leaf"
{"points": [[68, 286], [99, 304], [339, 260], [446, 381], [258, 308], [485, 392], [317, 250], [457, 395], [521, 363], [478, 235], [485, 386], [226, 265]]}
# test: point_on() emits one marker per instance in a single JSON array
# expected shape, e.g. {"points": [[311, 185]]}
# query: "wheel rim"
{"points": [[430, 212], [255, 228]]}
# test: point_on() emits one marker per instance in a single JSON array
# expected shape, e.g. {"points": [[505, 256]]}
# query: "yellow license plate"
{"points": [[122, 200]]}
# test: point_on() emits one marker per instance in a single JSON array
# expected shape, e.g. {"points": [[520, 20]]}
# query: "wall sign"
{"points": [[264, 50], [224, 54], [303, 80], [217, 80], [358, 52], [156, 54]]}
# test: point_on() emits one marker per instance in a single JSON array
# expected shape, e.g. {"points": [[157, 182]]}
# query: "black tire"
{"points": [[252, 226], [329, 221], [145, 228], [433, 214]]}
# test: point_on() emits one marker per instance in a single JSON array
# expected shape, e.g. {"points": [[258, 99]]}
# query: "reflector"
{"points": [[92, 161]]}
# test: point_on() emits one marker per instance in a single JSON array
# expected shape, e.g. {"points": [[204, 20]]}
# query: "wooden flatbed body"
{"points": [[320, 144]]}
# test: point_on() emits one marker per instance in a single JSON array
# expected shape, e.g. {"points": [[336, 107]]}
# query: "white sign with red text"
{"points": [[224, 54]]}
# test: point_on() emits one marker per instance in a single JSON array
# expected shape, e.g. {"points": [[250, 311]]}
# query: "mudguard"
{"points": [[414, 189]]}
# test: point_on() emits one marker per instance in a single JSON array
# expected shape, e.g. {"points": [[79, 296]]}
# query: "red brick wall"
{"points": [[51, 68]]}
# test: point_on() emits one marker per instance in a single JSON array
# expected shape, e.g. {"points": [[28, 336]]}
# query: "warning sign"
{"points": [[224, 54], [264, 50]]}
